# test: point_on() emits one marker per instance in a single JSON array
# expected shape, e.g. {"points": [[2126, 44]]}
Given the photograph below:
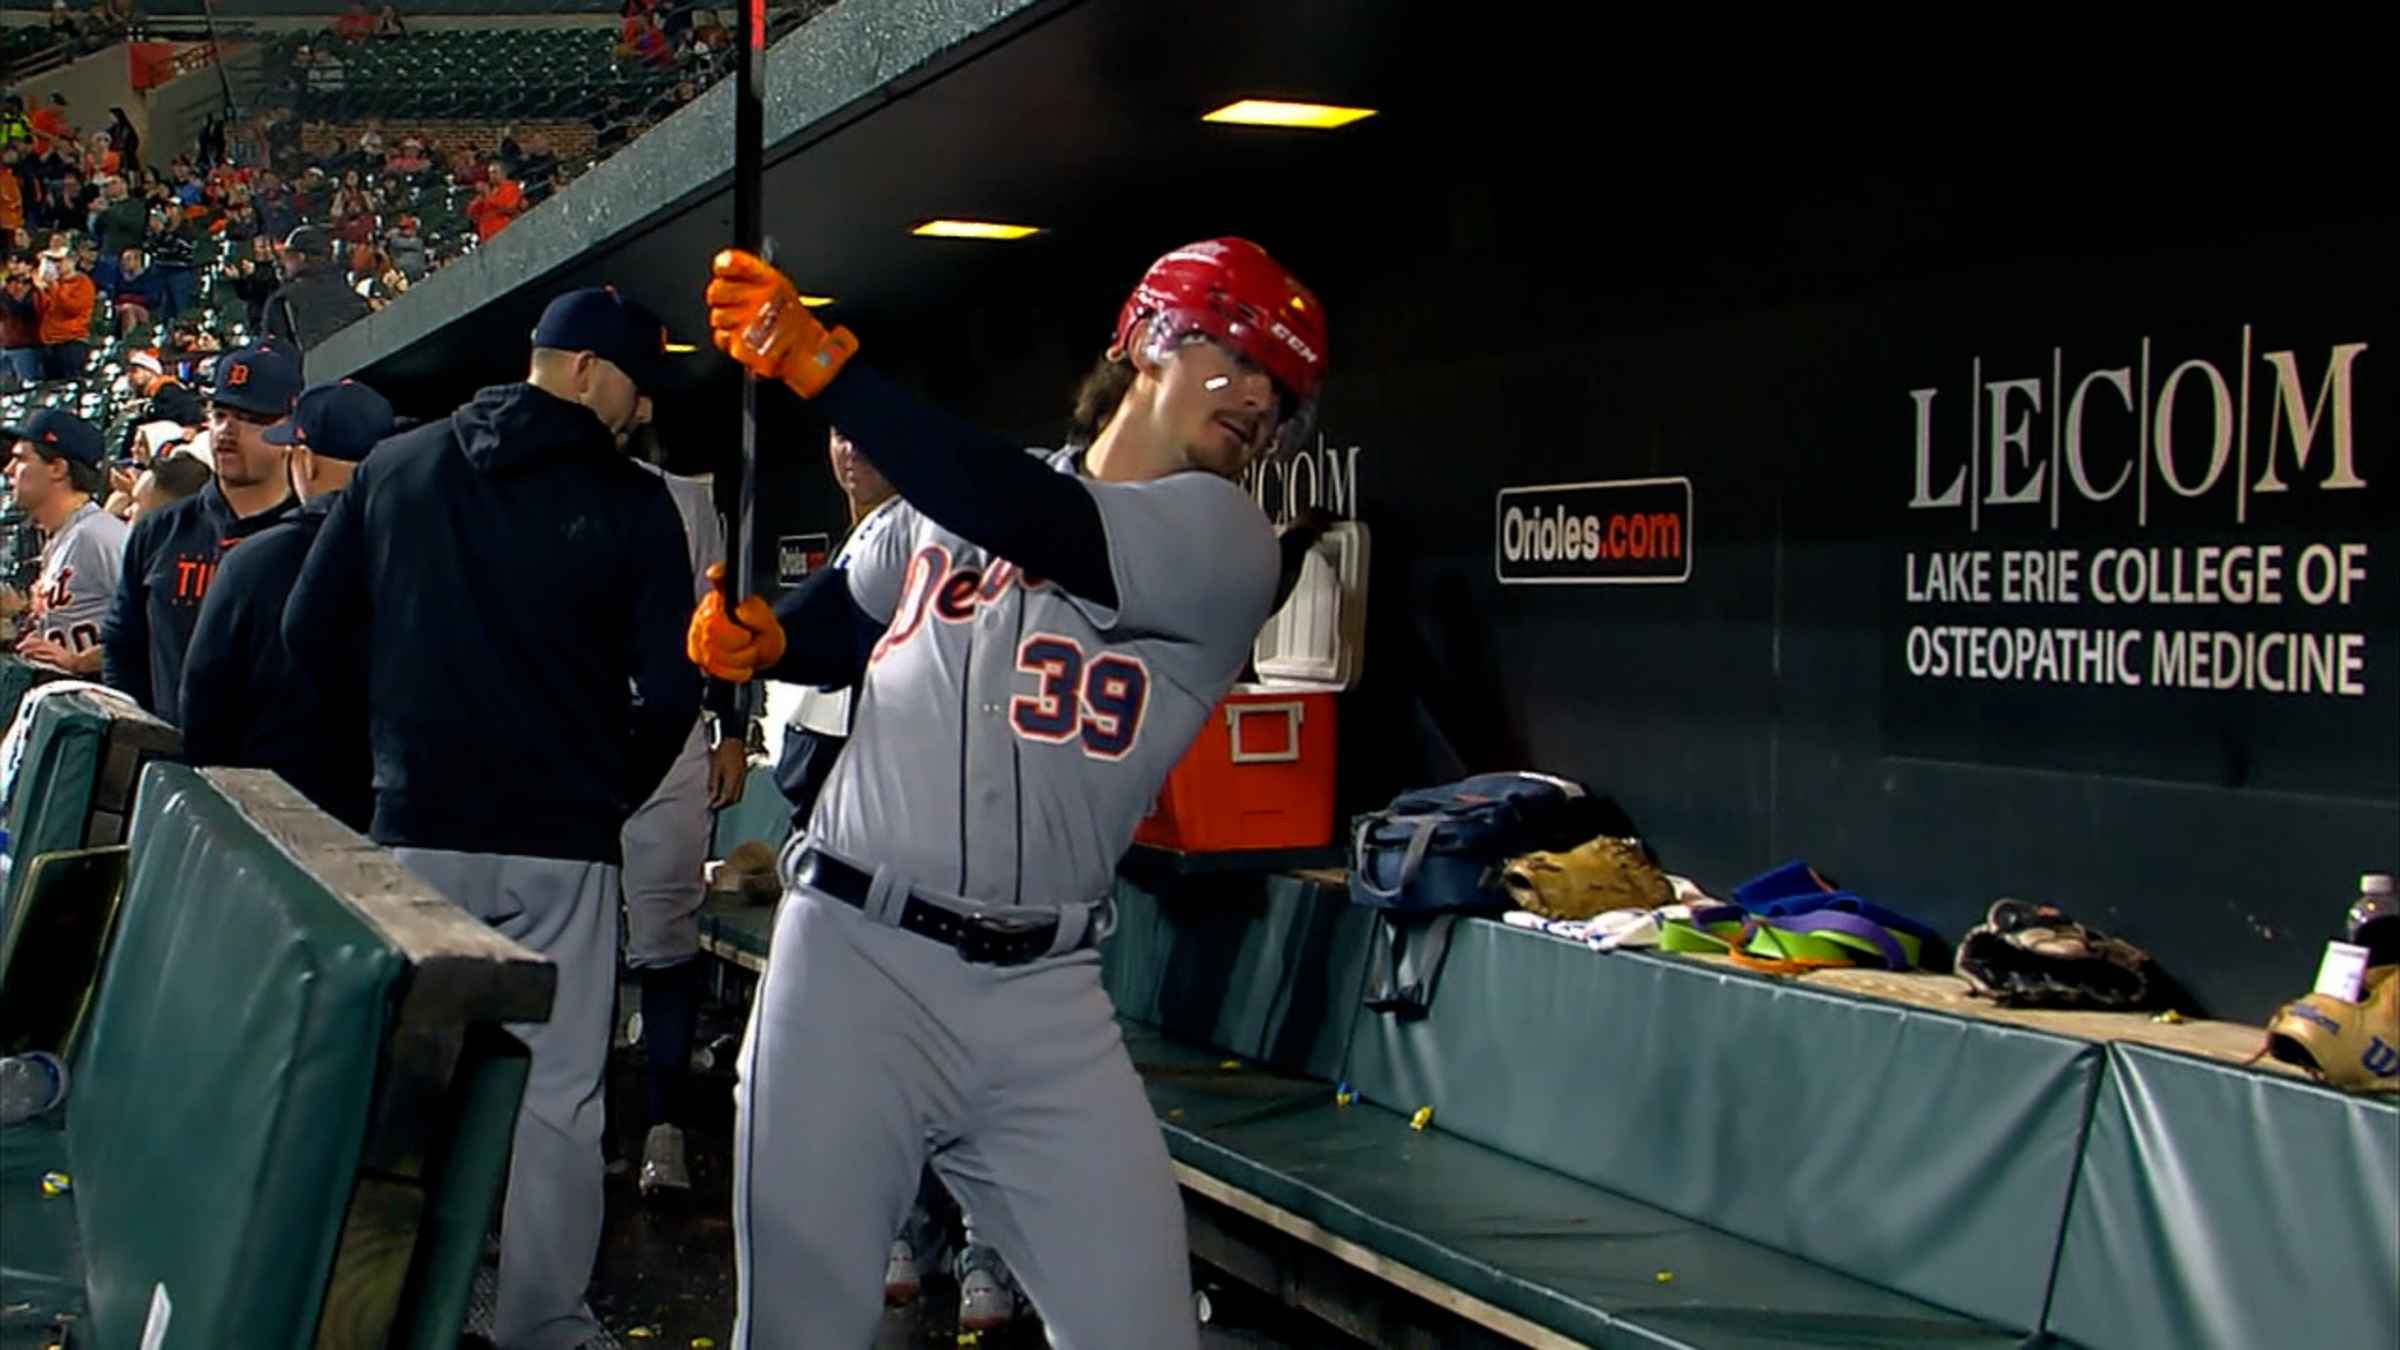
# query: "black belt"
{"points": [[980, 939]]}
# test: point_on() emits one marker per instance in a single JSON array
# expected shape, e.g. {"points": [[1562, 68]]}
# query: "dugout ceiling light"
{"points": [[1261, 112], [680, 349], [973, 229]]}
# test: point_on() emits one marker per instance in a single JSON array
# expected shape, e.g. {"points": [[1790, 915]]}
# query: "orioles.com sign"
{"points": [[1629, 532]]}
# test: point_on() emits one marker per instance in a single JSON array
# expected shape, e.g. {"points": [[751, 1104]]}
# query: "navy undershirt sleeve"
{"points": [[827, 637], [976, 485]]}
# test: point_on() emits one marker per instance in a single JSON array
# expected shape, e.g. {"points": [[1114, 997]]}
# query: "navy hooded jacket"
{"points": [[521, 589], [246, 703]]}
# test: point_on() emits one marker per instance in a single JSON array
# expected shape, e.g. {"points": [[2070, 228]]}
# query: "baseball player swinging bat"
{"points": [[1035, 638]]}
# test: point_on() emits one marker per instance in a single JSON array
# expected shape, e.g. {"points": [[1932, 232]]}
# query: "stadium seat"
{"points": [[52, 943], [291, 1111], [84, 754], [486, 74], [17, 679]]}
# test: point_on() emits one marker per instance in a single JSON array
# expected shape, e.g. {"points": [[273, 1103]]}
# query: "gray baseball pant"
{"points": [[666, 848], [550, 1222], [871, 1050]]}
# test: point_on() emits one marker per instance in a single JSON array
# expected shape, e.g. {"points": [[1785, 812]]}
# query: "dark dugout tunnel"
{"points": [[1566, 252]]}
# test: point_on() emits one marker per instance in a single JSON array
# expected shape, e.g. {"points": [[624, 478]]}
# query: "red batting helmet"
{"points": [[1230, 290]]}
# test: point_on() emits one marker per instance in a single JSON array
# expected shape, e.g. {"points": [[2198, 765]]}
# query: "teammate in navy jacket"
{"points": [[246, 702], [172, 555], [519, 586], [509, 567]]}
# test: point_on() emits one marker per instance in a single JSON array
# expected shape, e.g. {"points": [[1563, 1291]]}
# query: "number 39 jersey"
{"points": [[1010, 736]]}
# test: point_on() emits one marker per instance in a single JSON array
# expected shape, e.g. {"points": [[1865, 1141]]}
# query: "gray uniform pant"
{"points": [[871, 1050], [666, 849], [550, 1224]]}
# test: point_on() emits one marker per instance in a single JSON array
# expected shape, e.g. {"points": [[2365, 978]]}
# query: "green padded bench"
{"points": [[1584, 1137], [736, 931], [1522, 1251], [1928, 1154], [733, 928], [1268, 967], [2227, 1207], [761, 814], [292, 1105], [84, 754]]}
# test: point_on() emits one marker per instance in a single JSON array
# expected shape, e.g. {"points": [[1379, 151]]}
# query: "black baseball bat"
{"points": [[749, 233]]}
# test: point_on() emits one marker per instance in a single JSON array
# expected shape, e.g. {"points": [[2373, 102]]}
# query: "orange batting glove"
{"points": [[732, 647], [755, 317]]}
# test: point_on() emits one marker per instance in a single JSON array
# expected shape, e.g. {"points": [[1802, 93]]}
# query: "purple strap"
{"points": [[1835, 921], [1818, 921]]}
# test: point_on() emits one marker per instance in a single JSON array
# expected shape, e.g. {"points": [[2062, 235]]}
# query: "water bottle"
{"points": [[29, 1085], [2375, 919]]}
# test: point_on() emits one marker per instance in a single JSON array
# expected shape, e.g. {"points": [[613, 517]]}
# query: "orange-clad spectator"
{"points": [[64, 299], [49, 123], [356, 23], [12, 193], [639, 38], [497, 205]]}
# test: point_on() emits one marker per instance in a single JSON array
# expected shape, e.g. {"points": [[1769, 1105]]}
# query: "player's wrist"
{"points": [[816, 357]]}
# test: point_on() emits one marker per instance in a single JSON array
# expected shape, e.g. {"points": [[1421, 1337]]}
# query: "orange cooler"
{"points": [[1259, 775]]}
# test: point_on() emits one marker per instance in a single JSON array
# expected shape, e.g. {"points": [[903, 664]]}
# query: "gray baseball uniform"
{"points": [[1008, 738], [826, 712], [666, 840], [78, 579]]}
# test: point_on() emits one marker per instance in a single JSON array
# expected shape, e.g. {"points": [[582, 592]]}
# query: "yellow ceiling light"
{"points": [[816, 301], [1263, 112], [680, 349], [973, 229]]}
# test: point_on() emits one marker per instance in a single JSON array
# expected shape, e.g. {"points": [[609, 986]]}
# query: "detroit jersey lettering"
{"points": [[826, 712], [78, 578], [1014, 770]]}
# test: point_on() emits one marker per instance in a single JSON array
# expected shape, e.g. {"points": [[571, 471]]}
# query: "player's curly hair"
{"points": [[1098, 396]]}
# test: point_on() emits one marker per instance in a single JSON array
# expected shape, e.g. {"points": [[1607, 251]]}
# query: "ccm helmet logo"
{"points": [[1294, 341]]}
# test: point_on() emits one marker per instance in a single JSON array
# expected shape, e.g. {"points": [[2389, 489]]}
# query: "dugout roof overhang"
{"points": [[1080, 116], [1644, 176]]}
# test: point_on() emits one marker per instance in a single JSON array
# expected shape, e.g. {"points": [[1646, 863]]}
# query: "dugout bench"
{"points": [[291, 1100], [1638, 1149]]}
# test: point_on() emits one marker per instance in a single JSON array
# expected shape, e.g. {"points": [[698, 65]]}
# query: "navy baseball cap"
{"points": [[611, 327], [261, 379], [343, 420], [309, 241], [58, 432]]}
